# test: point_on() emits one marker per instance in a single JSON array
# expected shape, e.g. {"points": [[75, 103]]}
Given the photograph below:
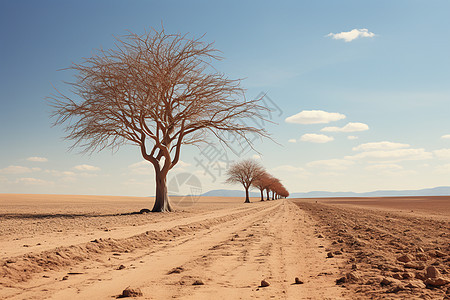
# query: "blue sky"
{"points": [[390, 76]]}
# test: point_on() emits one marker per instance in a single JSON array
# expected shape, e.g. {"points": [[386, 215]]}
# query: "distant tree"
{"points": [[274, 186], [261, 183], [268, 184], [245, 172], [157, 91]]}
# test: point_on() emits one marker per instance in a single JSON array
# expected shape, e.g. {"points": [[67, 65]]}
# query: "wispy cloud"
{"points": [[446, 137], [86, 168], [316, 138], [33, 181], [350, 127], [292, 141], [383, 167], [393, 155], [333, 164], [385, 145], [314, 117], [60, 173], [352, 137], [351, 35], [18, 170], [37, 159], [141, 168], [442, 153]]}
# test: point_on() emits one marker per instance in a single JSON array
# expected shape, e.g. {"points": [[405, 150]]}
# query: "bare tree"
{"points": [[157, 91], [261, 183], [245, 172]]}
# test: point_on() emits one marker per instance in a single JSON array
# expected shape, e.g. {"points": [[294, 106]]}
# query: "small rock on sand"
{"points": [[129, 292], [405, 258], [65, 277], [341, 280], [437, 281], [415, 265], [121, 267], [264, 283], [320, 236], [353, 276], [432, 272], [330, 255], [298, 281], [390, 281], [198, 282], [176, 270]]}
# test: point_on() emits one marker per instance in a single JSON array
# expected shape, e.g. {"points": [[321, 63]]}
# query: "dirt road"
{"points": [[229, 250]]}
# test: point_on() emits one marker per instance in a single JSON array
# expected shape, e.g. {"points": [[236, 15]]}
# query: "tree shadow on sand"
{"points": [[68, 216]]}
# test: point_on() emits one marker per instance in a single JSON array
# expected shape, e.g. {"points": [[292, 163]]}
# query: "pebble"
{"points": [[405, 258], [264, 283], [129, 292], [198, 282]]}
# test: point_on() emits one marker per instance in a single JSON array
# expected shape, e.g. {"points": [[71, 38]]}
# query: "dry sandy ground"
{"points": [[395, 248], [92, 247], [87, 247]]}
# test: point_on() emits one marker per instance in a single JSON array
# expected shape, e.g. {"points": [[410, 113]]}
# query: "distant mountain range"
{"points": [[437, 191]]}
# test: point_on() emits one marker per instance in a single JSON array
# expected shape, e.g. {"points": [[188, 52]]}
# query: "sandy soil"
{"points": [[69, 247], [391, 245], [93, 247]]}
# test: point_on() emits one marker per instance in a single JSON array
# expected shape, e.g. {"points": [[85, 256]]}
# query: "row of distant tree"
{"points": [[250, 174]]}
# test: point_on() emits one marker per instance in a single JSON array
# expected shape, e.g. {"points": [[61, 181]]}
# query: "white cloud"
{"points": [[382, 167], [142, 168], [333, 164], [351, 35], [393, 155], [60, 173], [380, 146], [350, 127], [37, 159], [316, 138], [292, 141], [442, 153], [33, 181], [18, 170], [314, 117], [181, 166], [86, 168], [352, 137], [256, 156], [400, 173], [446, 137]]}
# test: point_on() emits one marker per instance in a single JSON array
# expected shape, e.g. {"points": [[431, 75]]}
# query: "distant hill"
{"points": [[437, 191]]}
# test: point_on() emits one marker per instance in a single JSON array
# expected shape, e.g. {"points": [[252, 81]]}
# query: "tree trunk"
{"points": [[268, 198], [262, 196], [247, 199], [273, 193], [161, 197]]}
